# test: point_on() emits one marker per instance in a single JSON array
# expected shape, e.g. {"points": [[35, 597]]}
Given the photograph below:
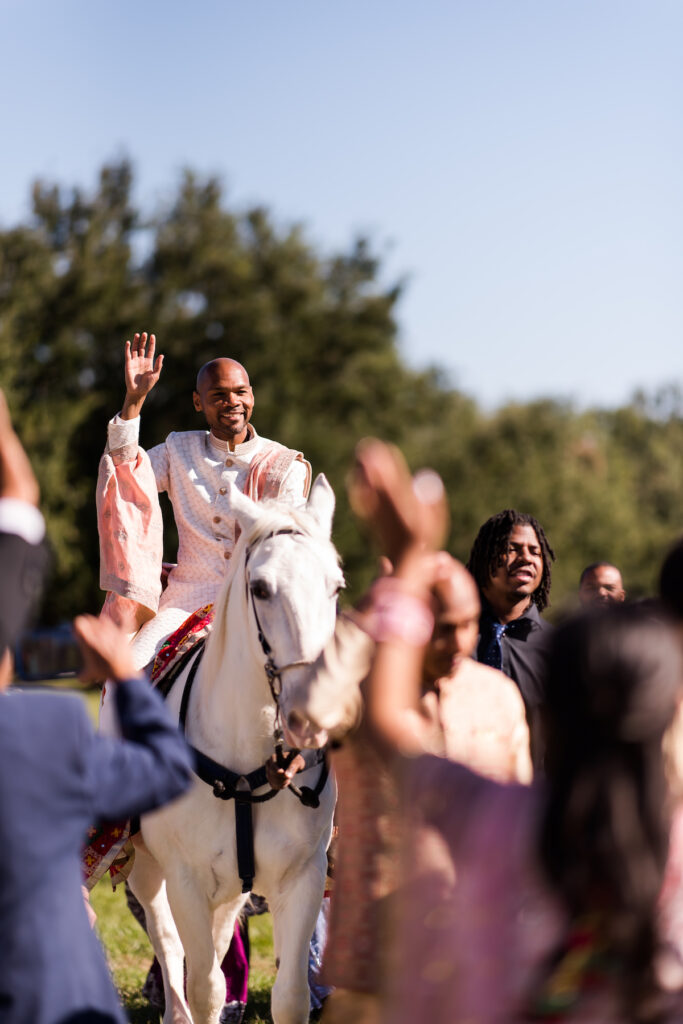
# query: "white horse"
{"points": [[282, 586]]}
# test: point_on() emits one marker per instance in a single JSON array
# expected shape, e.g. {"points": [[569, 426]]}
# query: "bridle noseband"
{"points": [[273, 672]]}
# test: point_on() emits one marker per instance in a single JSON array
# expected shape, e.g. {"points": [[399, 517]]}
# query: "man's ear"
{"points": [[197, 402]]}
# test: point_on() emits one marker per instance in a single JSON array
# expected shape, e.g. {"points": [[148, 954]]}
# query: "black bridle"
{"points": [[273, 673], [229, 785]]}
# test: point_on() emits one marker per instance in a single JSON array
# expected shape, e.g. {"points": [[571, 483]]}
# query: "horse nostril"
{"points": [[295, 721]]}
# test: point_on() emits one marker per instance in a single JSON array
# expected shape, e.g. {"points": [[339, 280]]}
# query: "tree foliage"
{"points": [[318, 335]]}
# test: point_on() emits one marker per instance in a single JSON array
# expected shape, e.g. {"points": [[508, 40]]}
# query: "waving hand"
{"points": [[142, 372]]}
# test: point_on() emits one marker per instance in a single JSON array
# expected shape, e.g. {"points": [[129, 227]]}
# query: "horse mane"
{"points": [[273, 516]]}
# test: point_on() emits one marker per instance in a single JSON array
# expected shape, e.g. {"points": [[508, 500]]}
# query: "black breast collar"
{"points": [[229, 785]]}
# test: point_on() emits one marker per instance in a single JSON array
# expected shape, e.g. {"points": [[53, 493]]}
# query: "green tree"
{"points": [[318, 334]]}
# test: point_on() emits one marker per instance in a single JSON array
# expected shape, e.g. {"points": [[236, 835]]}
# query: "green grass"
{"points": [[130, 954]]}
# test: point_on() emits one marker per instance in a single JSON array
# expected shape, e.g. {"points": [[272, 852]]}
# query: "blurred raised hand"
{"points": [[104, 648], [17, 479], [405, 514]]}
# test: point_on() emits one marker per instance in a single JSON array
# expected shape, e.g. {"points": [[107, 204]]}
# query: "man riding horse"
{"points": [[194, 468]]}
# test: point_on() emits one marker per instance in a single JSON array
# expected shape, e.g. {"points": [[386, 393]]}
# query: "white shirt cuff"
{"points": [[122, 433], [22, 519]]}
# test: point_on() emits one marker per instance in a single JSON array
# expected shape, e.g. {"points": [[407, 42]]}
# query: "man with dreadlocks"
{"points": [[510, 561]]}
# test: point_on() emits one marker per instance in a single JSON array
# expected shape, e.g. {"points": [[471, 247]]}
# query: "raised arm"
{"points": [[151, 763], [128, 513], [408, 516], [142, 372], [21, 530], [17, 479]]}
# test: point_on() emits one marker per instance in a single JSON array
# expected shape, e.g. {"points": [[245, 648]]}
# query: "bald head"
{"points": [[456, 624], [214, 367], [456, 587]]}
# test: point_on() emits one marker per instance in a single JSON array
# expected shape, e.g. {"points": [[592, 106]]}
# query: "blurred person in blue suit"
{"points": [[57, 777]]}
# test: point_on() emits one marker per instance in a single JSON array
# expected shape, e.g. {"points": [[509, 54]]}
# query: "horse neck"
{"points": [[235, 711]]}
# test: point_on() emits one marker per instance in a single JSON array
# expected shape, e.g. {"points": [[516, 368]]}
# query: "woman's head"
{"points": [[613, 687], [614, 679]]}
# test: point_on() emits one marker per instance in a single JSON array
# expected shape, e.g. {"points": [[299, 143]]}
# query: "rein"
{"points": [[274, 676], [229, 785]]}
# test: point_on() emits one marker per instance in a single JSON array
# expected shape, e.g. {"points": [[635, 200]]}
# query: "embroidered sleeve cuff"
{"points": [[122, 433], [22, 519]]}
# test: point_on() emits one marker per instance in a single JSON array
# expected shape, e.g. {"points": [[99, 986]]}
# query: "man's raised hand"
{"points": [[405, 513], [104, 648], [17, 479], [142, 372]]}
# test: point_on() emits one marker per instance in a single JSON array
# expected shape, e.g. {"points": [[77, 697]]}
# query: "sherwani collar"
{"points": [[247, 447]]}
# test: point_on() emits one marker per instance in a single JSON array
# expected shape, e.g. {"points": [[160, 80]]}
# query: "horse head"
{"points": [[280, 596]]}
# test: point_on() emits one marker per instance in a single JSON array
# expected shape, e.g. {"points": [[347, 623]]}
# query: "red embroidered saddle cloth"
{"points": [[107, 843], [195, 628]]}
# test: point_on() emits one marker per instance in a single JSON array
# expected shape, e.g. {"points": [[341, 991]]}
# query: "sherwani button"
{"points": [[228, 462], [216, 519], [223, 490], [227, 554]]}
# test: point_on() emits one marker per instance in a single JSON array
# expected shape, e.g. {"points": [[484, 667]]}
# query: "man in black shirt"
{"points": [[510, 561]]}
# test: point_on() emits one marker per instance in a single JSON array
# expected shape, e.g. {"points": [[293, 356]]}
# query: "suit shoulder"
{"points": [[545, 625], [50, 711]]}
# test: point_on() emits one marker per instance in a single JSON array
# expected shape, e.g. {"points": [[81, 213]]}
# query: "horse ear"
{"points": [[321, 503], [245, 510]]}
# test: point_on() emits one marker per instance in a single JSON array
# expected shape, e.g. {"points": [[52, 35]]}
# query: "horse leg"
{"points": [[294, 915], [223, 927], [108, 722], [194, 921], [229, 946], [147, 884]]}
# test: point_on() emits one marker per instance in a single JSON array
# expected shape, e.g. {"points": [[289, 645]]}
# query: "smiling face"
{"points": [[519, 571], [225, 397], [601, 585]]}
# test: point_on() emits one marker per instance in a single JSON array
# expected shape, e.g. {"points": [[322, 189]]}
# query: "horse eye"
{"points": [[260, 590]]}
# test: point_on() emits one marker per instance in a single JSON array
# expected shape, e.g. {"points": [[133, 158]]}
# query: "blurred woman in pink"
{"points": [[563, 899]]}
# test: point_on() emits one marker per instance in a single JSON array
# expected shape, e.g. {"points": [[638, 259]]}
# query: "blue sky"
{"points": [[518, 162]]}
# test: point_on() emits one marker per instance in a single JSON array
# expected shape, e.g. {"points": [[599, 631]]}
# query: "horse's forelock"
{"points": [[274, 516]]}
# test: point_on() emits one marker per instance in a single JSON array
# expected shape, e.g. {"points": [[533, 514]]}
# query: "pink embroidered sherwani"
{"points": [[194, 468]]}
